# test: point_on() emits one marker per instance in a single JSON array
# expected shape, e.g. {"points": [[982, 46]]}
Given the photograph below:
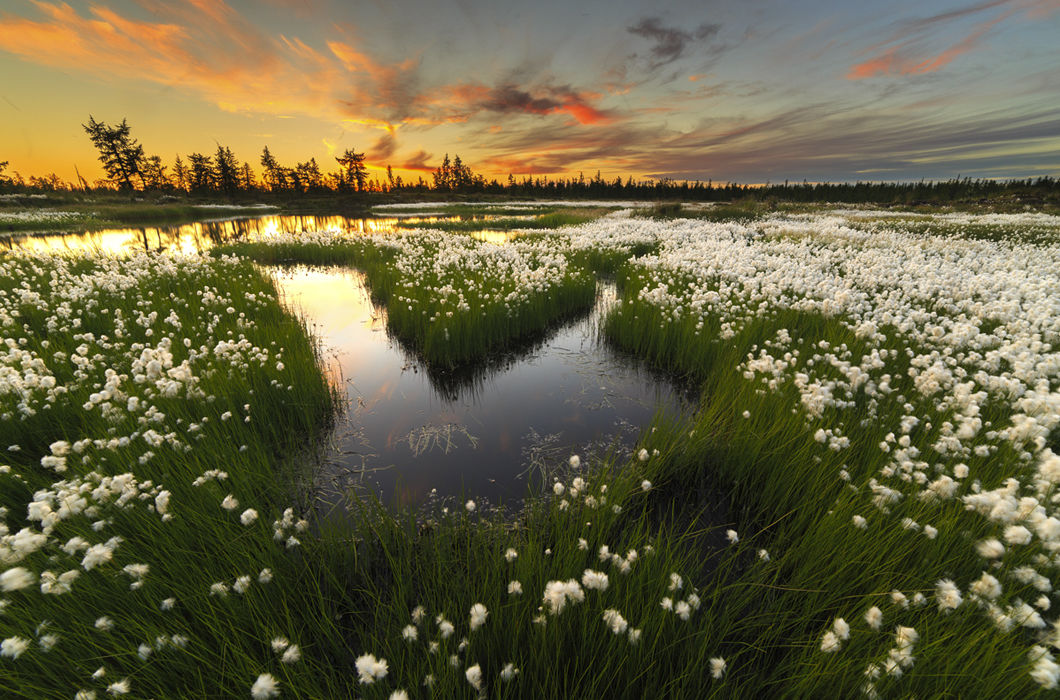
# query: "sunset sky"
{"points": [[748, 91]]}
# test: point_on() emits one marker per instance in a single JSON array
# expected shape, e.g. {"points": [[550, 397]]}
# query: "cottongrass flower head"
{"points": [[478, 616], [13, 647], [717, 667], [292, 655], [399, 694], [123, 687], [409, 633], [558, 593], [16, 578], [248, 517], [470, 506], [370, 669], [948, 595], [732, 536], [614, 620], [265, 687], [575, 461], [474, 676], [595, 580], [874, 617], [510, 555], [508, 672], [645, 485], [830, 642]]}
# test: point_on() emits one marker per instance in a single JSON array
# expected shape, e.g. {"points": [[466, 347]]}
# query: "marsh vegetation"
{"points": [[863, 501]]}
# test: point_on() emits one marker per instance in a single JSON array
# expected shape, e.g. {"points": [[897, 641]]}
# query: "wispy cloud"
{"points": [[670, 43], [906, 52]]}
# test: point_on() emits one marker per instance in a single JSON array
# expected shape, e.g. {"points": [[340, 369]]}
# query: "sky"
{"points": [[746, 91]]}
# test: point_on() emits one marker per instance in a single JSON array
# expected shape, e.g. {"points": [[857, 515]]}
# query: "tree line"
{"points": [[129, 168]]}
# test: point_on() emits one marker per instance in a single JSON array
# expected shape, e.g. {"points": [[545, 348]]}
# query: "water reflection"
{"points": [[201, 235], [410, 430]]}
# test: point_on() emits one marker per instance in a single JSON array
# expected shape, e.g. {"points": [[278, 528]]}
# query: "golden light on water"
{"points": [[202, 235]]}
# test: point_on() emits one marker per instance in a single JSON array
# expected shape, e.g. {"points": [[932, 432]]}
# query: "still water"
{"points": [[488, 432], [201, 235], [411, 434]]}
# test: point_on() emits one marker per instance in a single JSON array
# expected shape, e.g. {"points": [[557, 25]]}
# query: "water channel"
{"points": [[410, 433]]}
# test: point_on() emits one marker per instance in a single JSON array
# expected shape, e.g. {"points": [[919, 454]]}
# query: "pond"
{"points": [[411, 434], [201, 235]]}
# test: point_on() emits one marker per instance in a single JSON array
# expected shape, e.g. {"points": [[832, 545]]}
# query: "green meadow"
{"points": [[864, 502]]}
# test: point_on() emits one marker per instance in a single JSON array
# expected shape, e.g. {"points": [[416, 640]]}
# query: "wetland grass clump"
{"points": [[899, 470], [880, 410], [453, 299], [530, 220]]}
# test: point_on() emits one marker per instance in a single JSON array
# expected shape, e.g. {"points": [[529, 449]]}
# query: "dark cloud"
{"points": [[461, 102], [670, 43], [383, 148], [418, 161]]}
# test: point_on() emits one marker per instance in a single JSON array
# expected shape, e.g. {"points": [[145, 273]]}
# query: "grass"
{"points": [[525, 220], [453, 300], [839, 502], [92, 216]]}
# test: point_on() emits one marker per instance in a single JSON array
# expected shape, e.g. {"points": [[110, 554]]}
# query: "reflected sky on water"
{"points": [[202, 235], [476, 434]]}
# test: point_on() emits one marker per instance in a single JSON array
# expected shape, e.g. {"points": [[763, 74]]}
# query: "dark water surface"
{"points": [[482, 434]]}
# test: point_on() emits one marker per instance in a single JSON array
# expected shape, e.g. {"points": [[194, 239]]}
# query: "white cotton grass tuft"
{"points": [[947, 595], [874, 618], [717, 667], [474, 676], [14, 647], [291, 655], [509, 672], [595, 580], [265, 687], [16, 578], [559, 593], [478, 616], [370, 669], [614, 620]]}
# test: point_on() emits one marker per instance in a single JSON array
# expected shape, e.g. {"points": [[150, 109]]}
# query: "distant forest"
{"points": [[221, 174]]}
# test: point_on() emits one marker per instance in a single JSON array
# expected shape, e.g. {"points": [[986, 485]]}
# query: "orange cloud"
{"points": [[461, 101], [897, 60], [202, 46]]}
